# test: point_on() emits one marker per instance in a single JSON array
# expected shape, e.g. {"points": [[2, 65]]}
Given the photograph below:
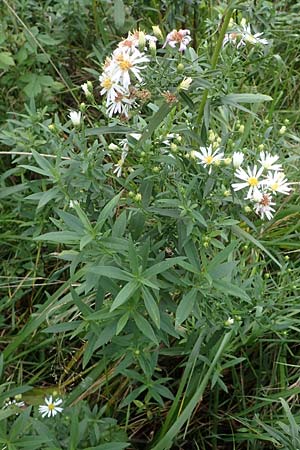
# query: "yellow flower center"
{"points": [[252, 181], [107, 83], [275, 186], [125, 65], [251, 39], [208, 159], [51, 406]]}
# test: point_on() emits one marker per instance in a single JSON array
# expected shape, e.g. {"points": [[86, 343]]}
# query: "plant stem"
{"points": [[214, 60]]}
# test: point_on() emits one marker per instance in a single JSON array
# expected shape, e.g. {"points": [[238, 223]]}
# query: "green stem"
{"points": [[214, 60]]}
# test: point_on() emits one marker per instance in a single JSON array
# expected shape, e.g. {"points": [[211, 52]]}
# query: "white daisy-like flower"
{"points": [[208, 156], [237, 159], [110, 87], [75, 117], [247, 36], [134, 39], [120, 105], [276, 182], [181, 37], [51, 408], [250, 180], [267, 161], [264, 206], [125, 64], [231, 38], [185, 84], [120, 163]]}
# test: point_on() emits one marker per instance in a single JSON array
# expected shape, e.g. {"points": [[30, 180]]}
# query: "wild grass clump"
{"points": [[150, 227]]}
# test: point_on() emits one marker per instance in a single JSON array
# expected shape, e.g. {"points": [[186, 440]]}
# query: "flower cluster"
{"points": [[121, 69], [241, 35], [262, 181]]}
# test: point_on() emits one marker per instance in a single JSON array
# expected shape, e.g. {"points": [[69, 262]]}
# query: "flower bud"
{"points": [[113, 146], [138, 197], [282, 130], [142, 41], [52, 127], [157, 32], [152, 48], [180, 67], [75, 117], [237, 159], [229, 322]]}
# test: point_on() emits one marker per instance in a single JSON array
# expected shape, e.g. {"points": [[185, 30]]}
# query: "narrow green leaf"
{"points": [[145, 327], [119, 14], [186, 306], [125, 293], [110, 272], [117, 129], [122, 323], [231, 289], [155, 121], [61, 237], [62, 327], [10, 190], [162, 266], [151, 306], [245, 98], [107, 211]]}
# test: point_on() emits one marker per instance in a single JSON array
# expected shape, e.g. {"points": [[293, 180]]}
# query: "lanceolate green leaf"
{"points": [[111, 272], [245, 98], [186, 306], [151, 306], [162, 266], [145, 327], [125, 294]]}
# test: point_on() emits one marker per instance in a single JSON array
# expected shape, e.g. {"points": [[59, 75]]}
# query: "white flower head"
{"points": [[185, 84], [75, 117], [231, 38], [276, 182], [247, 35], [250, 180], [51, 408], [237, 159], [136, 39], [120, 105], [110, 87], [120, 163], [181, 37], [267, 161], [264, 206], [208, 157], [124, 65]]}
